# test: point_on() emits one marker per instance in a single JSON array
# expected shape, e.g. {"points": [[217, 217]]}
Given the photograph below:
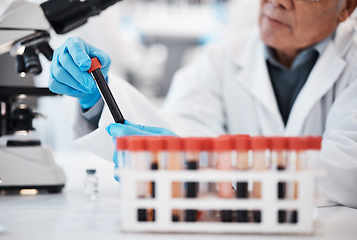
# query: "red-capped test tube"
{"points": [[207, 161], [155, 147], [297, 153], [259, 146], [193, 147], [174, 150], [105, 90], [121, 156], [241, 146], [122, 152], [314, 148], [223, 146], [278, 157], [139, 161], [297, 161]]}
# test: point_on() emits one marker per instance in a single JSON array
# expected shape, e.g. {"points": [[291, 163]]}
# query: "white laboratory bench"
{"points": [[69, 216]]}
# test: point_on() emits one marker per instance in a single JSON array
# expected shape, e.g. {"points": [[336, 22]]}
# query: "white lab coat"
{"points": [[228, 90]]}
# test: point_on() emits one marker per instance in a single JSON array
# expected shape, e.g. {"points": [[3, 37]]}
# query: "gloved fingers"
{"points": [[83, 80], [79, 51], [61, 88], [117, 130], [63, 78], [57, 87], [103, 58], [82, 52], [155, 130]]}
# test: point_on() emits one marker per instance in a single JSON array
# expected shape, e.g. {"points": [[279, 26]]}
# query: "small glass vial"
{"points": [[91, 185]]}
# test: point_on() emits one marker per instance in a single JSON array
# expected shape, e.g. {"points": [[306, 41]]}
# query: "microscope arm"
{"points": [[25, 25]]}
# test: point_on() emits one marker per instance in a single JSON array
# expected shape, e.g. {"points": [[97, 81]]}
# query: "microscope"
{"points": [[24, 33]]}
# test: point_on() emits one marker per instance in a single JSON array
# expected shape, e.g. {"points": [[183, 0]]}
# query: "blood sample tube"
{"points": [[105, 90], [139, 161], [297, 161], [122, 152], [259, 146], [314, 147], [223, 146], [174, 148], [155, 147], [241, 146], [278, 157], [206, 161], [192, 147], [121, 159]]}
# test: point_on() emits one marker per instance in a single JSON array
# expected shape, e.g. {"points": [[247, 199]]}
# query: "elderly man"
{"points": [[295, 75]]}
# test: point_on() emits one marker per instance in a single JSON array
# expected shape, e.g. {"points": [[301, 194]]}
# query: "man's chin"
{"points": [[275, 39]]}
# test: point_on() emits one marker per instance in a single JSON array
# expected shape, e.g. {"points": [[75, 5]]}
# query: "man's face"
{"points": [[291, 25]]}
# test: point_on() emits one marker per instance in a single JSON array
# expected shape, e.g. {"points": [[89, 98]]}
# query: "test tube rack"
{"points": [[268, 204]]}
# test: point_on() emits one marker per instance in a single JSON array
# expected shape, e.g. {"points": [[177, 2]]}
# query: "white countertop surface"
{"points": [[68, 215]]}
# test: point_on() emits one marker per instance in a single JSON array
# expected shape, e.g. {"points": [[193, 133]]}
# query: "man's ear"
{"points": [[348, 6]]}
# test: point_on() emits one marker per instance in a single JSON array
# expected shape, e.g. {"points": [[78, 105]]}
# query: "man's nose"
{"points": [[285, 4]]}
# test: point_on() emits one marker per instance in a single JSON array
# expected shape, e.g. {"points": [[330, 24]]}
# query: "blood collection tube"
{"points": [[241, 146], [297, 161], [223, 146], [155, 147], [139, 161], [278, 147], [122, 151], [105, 90], [314, 147], [174, 148], [192, 147], [206, 162], [259, 146]]}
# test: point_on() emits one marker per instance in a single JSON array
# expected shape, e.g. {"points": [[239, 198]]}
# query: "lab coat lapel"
{"points": [[254, 77], [322, 78]]}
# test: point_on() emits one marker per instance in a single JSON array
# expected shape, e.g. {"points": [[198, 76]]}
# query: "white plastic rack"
{"points": [[269, 204]]}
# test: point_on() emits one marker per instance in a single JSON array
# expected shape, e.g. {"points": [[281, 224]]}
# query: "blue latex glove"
{"points": [[68, 71], [127, 129]]}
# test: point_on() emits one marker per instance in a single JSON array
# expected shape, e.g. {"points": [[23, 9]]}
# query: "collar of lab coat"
{"points": [[254, 77]]}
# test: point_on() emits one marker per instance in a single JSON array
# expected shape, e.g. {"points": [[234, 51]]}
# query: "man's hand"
{"points": [[68, 71], [128, 129]]}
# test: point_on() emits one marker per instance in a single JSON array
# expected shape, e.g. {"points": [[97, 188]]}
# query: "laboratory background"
{"points": [[148, 41]]}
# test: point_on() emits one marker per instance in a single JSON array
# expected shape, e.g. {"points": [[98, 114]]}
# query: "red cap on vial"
{"points": [[278, 143], [223, 143], [297, 143], [241, 142], [173, 143], [314, 142], [95, 65], [155, 143], [207, 144], [122, 143], [136, 143], [259, 143], [192, 144]]}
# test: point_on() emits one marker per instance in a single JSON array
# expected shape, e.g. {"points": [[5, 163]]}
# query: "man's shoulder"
{"points": [[242, 40], [345, 39], [239, 45]]}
